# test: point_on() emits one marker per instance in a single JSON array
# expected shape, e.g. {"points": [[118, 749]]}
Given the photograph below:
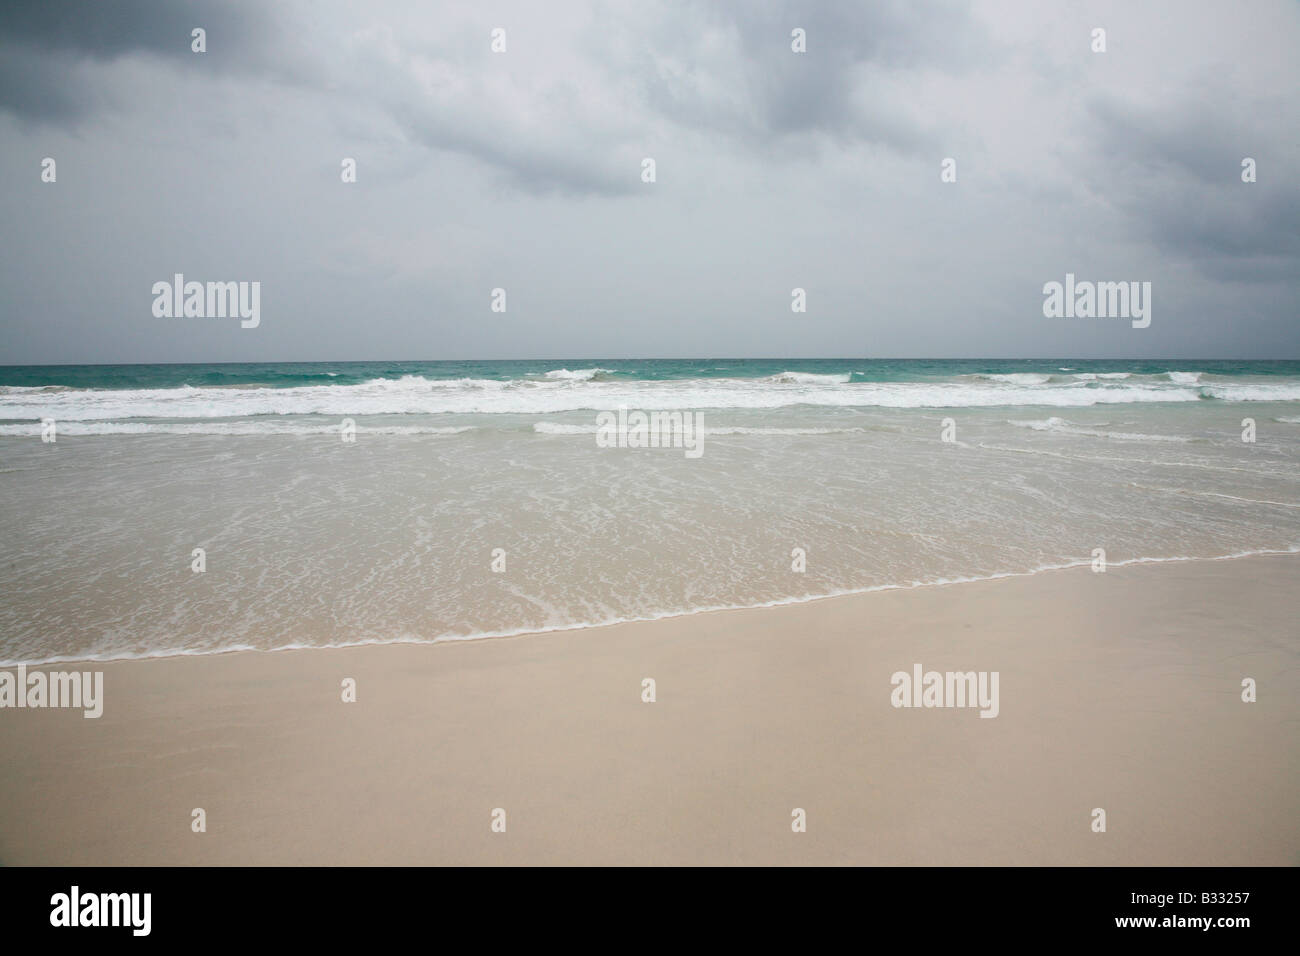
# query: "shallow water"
{"points": [[311, 540]]}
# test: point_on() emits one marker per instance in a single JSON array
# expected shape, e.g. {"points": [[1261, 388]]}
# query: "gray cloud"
{"points": [[44, 47], [110, 28], [521, 170], [1175, 171], [730, 68]]}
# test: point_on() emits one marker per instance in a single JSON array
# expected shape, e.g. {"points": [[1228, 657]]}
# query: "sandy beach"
{"points": [[1120, 691]]}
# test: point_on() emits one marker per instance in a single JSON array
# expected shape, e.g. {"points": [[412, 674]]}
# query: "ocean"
{"points": [[476, 498]]}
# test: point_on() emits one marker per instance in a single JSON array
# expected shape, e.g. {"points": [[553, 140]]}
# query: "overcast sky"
{"points": [[522, 170]]}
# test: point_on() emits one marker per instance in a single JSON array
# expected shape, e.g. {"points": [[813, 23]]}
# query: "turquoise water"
{"points": [[432, 397], [291, 374]]}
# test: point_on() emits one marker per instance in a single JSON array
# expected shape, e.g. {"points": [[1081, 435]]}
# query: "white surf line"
{"points": [[1213, 494], [666, 615], [1134, 461]]}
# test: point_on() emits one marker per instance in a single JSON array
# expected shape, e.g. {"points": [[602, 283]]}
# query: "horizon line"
{"points": [[703, 358]]}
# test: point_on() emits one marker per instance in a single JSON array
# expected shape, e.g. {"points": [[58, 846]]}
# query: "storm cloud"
{"points": [[522, 170]]}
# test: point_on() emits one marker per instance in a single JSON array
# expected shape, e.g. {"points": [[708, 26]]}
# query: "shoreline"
{"points": [[670, 616], [1118, 691]]}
